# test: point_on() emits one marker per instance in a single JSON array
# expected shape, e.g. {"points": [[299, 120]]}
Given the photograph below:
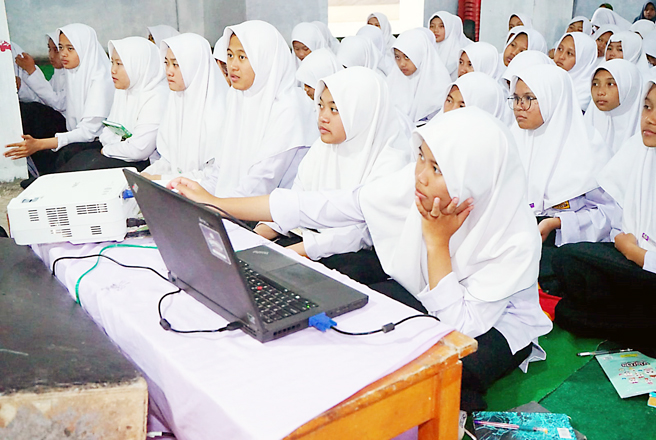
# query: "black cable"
{"points": [[54, 263], [166, 325], [228, 216], [386, 328]]}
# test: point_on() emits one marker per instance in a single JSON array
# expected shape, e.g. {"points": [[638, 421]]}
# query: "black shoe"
{"points": [[27, 182]]}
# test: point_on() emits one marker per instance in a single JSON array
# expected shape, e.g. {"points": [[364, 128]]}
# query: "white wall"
{"points": [[628, 9], [10, 122], [432, 6]]}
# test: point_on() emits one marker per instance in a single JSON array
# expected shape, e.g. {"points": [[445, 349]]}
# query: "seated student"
{"points": [[479, 57], [643, 27], [607, 288], [579, 24], [360, 141], [157, 34], [89, 94], [625, 45], [601, 37], [187, 139], [306, 37], [519, 40], [577, 54], [47, 114], [606, 16], [519, 19], [523, 60], [386, 57], [268, 124], [648, 12], [317, 65], [359, 51], [479, 90], [221, 58], [561, 156], [450, 39], [437, 247], [418, 85], [139, 101], [616, 96], [381, 21], [649, 48], [331, 42]]}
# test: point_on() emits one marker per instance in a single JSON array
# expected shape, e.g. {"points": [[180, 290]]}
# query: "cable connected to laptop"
{"points": [[322, 322], [228, 216], [166, 325]]}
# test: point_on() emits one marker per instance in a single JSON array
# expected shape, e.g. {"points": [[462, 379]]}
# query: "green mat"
{"points": [[47, 70], [543, 377], [597, 410]]}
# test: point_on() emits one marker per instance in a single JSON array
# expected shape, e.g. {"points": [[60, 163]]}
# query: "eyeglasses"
{"points": [[523, 102]]}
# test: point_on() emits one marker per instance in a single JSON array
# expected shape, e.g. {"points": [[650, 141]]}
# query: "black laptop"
{"points": [[271, 294]]}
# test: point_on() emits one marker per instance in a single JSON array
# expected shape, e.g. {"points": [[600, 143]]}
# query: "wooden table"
{"points": [[424, 393]]}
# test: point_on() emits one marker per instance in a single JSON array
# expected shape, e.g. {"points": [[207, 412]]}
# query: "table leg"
{"points": [[446, 409]]}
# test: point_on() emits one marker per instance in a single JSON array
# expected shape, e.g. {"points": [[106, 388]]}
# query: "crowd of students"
{"points": [[435, 169]]}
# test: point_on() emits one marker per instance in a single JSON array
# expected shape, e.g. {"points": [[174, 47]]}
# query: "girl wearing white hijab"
{"points": [[331, 41], [437, 246], [157, 34], [139, 101], [479, 57], [268, 124], [359, 51], [605, 16], [601, 37], [519, 19], [221, 58], [616, 106], [626, 45], [561, 155], [419, 83], [190, 127], [450, 39], [579, 24], [306, 37], [89, 94], [370, 147], [643, 27], [386, 57], [577, 54], [380, 20], [649, 48], [608, 288], [319, 64], [519, 40], [479, 90], [523, 60]]}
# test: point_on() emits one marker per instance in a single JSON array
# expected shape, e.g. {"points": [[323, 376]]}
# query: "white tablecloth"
{"points": [[228, 385]]}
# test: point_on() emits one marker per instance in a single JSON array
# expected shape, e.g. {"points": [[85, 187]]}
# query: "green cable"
{"points": [[77, 284]]}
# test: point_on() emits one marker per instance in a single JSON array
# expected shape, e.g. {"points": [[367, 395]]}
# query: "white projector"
{"points": [[80, 207]]}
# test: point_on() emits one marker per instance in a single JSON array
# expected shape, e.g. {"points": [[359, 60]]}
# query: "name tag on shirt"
{"points": [[564, 205]]}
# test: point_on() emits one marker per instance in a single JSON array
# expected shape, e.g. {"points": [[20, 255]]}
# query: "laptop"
{"points": [[271, 294]]}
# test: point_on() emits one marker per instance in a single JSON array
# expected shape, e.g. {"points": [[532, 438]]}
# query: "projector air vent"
{"points": [[57, 216], [96, 230], [33, 214], [64, 232], [91, 209]]}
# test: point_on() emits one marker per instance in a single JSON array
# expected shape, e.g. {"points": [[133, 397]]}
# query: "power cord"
{"points": [[166, 325]]}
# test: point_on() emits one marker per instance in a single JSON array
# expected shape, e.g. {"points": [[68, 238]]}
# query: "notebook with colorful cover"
{"points": [[631, 373], [490, 425]]}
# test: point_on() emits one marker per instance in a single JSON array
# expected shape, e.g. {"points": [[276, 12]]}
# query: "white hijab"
{"points": [[359, 51], [605, 16], [145, 99], [643, 27], [371, 127], [619, 124], [583, 69], [496, 251], [188, 136], [526, 59], [562, 156], [218, 52], [604, 28], [454, 40], [310, 35], [319, 64], [161, 32], [331, 41], [536, 42], [270, 117], [386, 56], [385, 26], [58, 78], [89, 86], [587, 26], [483, 56], [483, 91], [649, 44], [524, 17], [422, 93], [631, 45]]}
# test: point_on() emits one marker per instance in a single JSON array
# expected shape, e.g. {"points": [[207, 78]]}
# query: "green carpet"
{"points": [[543, 377], [597, 410], [47, 70]]}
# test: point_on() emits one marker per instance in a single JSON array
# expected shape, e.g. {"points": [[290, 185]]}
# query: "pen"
{"points": [[595, 353], [510, 426]]}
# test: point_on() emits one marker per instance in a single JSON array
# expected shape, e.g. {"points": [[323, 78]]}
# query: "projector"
{"points": [[80, 207]]}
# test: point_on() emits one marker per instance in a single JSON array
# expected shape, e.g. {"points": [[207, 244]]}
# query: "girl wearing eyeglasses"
{"points": [[561, 156]]}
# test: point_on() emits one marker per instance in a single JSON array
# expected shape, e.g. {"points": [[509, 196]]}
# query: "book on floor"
{"points": [[510, 425], [631, 373]]}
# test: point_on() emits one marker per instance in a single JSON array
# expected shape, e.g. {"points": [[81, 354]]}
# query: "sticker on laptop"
{"points": [[214, 242]]}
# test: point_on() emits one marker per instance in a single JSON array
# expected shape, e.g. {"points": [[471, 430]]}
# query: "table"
{"points": [[431, 383], [220, 385]]}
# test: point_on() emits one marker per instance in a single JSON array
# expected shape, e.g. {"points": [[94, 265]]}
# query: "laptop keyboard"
{"points": [[274, 303]]}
